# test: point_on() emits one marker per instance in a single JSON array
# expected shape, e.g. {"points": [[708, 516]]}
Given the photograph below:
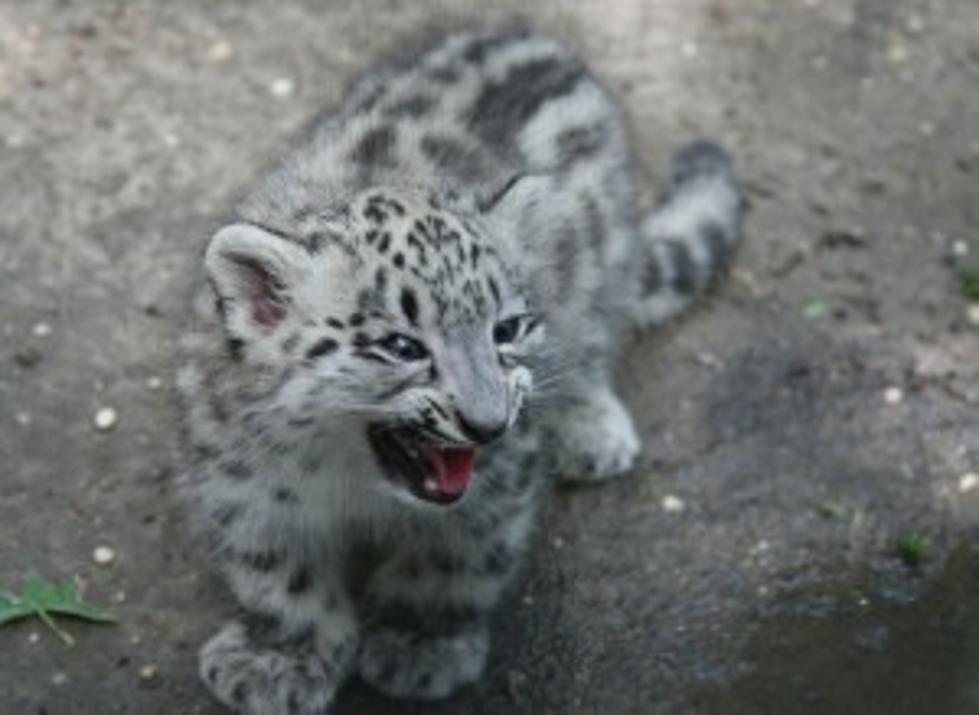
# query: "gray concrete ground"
{"points": [[749, 566]]}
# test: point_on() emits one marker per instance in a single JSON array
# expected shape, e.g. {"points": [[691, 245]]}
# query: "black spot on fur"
{"points": [[494, 291], [443, 75], [336, 323], [239, 692], [413, 107], [322, 347], [375, 147], [283, 495], [301, 580], [381, 282], [498, 560], [481, 47], [370, 99], [399, 260], [566, 260], [356, 320], [236, 469], [384, 243], [715, 237], [262, 625], [652, 279], [446, 563], [409, 305], [263, 561], [684, 269], [503, 107], [452, 155], [236, 348], [594, 221], [360, 340], [289, 344], [226, 514], [575, 144]]}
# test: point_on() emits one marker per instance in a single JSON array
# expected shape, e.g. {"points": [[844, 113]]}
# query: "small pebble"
{"points": [[893, 395], [23, 419], [106, 418], [154, 383], [960, 249], [558, 542], [171, 140], [220, 51], [282, 87], [59, 679], [148, 672], [897, 53], [915, 24], [119, 597], [972, 313], [689, 49], [968, 482], [33, 637], [926, 128], [673, 504], [41, 330], [103, 555]]}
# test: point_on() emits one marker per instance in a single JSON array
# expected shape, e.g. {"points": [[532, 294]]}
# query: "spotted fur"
{"points": [[458, 249]]}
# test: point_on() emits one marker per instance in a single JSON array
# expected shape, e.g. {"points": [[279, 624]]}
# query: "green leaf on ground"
{"points": [[833, 509], [42, 599], [969, 280], [914, 548], [815, 309]]}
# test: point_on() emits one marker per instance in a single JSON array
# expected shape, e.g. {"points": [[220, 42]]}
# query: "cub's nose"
{"points": [[479, 431]]}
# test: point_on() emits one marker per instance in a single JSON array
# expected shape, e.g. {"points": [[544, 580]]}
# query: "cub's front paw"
{"points": [[258, 680], [598, 439], [406, 665]]}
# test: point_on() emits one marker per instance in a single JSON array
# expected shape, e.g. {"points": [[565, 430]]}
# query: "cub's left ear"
{"points": [[253, 271]]}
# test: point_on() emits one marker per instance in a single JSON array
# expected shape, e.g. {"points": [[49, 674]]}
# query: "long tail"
{"points": [[690, 238]]}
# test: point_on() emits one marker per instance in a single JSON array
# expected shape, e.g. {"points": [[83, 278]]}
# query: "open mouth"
{"points": [[430, 471]]}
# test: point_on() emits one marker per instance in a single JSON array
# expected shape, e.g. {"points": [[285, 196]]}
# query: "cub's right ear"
{"points": [[253, 272]]}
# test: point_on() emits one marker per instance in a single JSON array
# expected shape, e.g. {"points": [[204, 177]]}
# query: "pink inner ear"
{"points": [[266, 310]]}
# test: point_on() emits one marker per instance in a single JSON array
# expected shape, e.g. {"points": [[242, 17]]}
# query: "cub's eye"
{"points": [[506, 331], [403, 347]]}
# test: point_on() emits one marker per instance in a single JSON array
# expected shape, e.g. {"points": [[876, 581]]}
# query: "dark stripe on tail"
{"points": [[691, 237]]}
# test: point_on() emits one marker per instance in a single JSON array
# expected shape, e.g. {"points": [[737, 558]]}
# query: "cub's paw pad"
{"points": [[405, 665], [256, 680], [598, 440]]}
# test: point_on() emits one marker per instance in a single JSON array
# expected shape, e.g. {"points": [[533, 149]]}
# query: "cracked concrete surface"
{"points": [[749, 566]]}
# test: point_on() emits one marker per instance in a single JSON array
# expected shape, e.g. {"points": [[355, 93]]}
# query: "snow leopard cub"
{"points": [[397, 326]]}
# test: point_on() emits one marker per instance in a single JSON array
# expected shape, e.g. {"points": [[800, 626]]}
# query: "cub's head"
{"points": [[396, 317]]}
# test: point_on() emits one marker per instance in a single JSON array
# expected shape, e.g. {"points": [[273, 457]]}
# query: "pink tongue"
{"points": [[453, 468]]}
